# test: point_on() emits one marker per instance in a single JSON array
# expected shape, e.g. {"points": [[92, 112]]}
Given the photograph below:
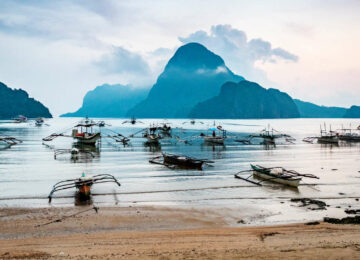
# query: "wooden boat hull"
{"points": [[350, 138], [86, 139], [328, 140], [214, 140], [293, 182], [186, 163]]}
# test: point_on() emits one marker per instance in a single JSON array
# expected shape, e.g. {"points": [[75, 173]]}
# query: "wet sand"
{"points": [[162, 233]]}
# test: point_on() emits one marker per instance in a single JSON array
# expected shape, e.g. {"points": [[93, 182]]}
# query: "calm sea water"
{"points": [[28, 170]]}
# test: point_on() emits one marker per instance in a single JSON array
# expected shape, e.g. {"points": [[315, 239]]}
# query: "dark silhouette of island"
{"points": [[194, 74], [310, 110], [14, 102], [353, 112], [246, 100], [109, 101]]}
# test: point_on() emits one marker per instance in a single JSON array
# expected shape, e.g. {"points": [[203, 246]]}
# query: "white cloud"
{"points": [[239, 53]]}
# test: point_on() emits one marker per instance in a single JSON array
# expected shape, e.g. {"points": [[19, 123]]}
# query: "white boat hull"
{"points": [[214, 140], [86, 139], [289, 182]]}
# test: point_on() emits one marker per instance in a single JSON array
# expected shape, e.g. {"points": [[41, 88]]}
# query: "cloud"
{"points": [[238, 52], [122, 60]]}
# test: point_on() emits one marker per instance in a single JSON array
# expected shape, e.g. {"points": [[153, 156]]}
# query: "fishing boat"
{"points": [[84, 132], [214, 138], [277, 174], [83, 184], [20, 119], [152, 136], [132, 121], [327, 137], [349, 134], [180, 161]]}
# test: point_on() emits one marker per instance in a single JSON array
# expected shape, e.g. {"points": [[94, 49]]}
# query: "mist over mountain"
{"points": [[194, 74], [109, 101], [14, 102], [246, 100]]}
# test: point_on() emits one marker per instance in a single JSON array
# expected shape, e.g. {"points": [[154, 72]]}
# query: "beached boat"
{"points": [[82, 184], [180, 161], [277, 174], [183, 161]]}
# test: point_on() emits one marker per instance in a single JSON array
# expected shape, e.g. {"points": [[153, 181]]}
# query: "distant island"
{"points": [[246, 100], [109, 101], [196, 83], [14, 102]]}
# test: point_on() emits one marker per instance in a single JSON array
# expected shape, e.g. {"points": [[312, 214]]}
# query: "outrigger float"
{"points": [[274, 174], [82, 184], [171, 160], [84, 133]]}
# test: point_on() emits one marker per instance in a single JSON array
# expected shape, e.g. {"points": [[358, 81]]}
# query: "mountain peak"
{"points": [[193, 56]]}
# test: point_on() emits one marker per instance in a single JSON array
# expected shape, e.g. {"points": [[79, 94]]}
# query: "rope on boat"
{"points": [[69, 216]]}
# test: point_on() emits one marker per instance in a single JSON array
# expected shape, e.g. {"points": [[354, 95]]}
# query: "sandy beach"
{"points": [[163, 233]]}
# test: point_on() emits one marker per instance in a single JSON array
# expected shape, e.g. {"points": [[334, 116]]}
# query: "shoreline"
{"points": [[153, 232]]}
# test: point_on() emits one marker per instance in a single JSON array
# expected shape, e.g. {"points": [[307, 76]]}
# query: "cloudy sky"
{"points": [[58, 50]]}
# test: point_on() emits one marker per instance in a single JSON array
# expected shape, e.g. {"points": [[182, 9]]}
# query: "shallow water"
{"points": [[28, 170]]}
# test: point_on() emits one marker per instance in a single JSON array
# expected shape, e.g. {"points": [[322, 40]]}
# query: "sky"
{"points": [[59, 50]]}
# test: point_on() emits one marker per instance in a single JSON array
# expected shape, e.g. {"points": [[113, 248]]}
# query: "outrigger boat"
{"points": [[349, 134], [214, 138], [152, 136], [84, 133], [180, 161], [132, 121], [275, 174], [325, 137], [82, 184], [269, 136]]}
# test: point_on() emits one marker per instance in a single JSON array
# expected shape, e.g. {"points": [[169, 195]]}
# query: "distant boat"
{"points": [[39, 121], [327, 137], [20, 119], [349, 134], [214, 138]]}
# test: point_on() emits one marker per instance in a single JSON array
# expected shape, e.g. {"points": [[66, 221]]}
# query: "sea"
{"points": [[29, 170]]}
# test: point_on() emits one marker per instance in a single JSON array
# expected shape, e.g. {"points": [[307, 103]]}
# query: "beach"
{"points": [[163, 233]]}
